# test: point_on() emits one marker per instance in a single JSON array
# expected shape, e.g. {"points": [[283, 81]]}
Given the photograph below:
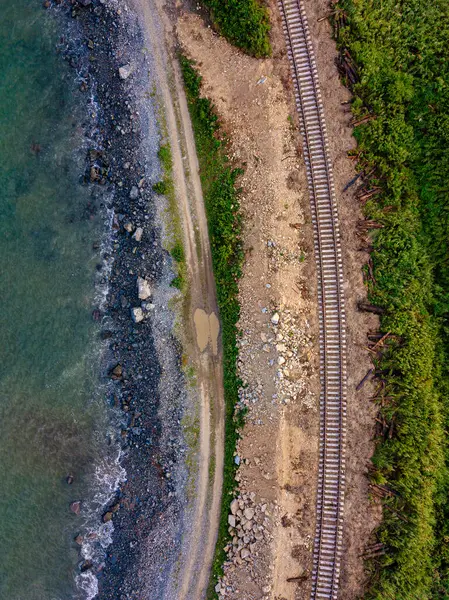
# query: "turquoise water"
{"points": [[52, 421]]}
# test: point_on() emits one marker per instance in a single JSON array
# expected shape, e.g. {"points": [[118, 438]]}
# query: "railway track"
{"points": [[331, 477]]}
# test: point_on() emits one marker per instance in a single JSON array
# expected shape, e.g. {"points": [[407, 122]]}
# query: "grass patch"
{"points": [[166, 188], [402, 83], [245, 23], [221, 197]]}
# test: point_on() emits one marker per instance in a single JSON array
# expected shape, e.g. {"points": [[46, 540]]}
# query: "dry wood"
{"points": [[381, 341], [369, 224], [363, 120], [398, 514], [373, 555], [364, 380], [297, 579], [366, 307]]}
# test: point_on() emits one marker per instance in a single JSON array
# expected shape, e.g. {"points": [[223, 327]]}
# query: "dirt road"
{"points": [[201, 327]]}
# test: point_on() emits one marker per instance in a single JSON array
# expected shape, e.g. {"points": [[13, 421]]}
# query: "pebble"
{"points": [[275, 318], [134, 193], [138, 234], [125, 71]]}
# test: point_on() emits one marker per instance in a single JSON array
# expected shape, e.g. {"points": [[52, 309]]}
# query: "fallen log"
{"points": [[366, 307]]}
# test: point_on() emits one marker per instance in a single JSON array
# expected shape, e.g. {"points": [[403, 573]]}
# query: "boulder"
{"points": [[249, 513], [234, 506], [75, 507], [143, 288], [117, 372], [137, 314], [231, 520]]}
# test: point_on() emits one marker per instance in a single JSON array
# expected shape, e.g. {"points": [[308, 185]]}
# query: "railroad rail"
{"points": [[331, 474]]}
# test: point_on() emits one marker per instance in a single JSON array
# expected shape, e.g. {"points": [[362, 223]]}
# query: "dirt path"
{"points": [[202, 327]]}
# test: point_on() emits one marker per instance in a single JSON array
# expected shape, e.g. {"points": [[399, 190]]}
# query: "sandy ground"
{"points": [[201, 327]]}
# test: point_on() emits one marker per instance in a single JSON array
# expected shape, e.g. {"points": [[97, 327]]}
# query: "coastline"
{"points": [[148, 393], [162, 364]]}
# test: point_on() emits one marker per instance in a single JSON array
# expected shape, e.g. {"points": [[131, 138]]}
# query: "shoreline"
{"points": [[121, 167]]}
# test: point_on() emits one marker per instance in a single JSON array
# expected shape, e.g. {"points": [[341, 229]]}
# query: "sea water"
{"points": [[53, 416]]}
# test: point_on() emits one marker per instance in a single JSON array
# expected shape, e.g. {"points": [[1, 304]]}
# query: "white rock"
{"points": [[125, 71], [143, 288], [138, 234], [134, 193], [275, 318], [231, 520], [137, 314], [129, 227], [281, 360], [234, 506], [249, 513], [244, 553]]}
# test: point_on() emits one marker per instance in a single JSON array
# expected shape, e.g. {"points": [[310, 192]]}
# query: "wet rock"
{"points": [[96, 315], [107, 516], [75, 507], [79, 540], [137, 314], [138, 234], [129, 227], [70, 479], [86, 565], [143, 288], [125, 71], [117, 372]]}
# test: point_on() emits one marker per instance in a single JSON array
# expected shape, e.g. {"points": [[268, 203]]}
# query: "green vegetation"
{"points": [[166, 188], [245, 23], [218, 180], [401, 83]]}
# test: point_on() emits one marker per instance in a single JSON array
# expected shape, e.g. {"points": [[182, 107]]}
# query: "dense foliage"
{"points": [[218, 180], [401, 49], [245, 23]]}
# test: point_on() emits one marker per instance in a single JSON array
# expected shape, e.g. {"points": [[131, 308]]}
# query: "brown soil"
{"points": [[278, 363]]}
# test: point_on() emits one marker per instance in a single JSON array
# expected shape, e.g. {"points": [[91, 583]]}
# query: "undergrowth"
{"points": [[221, 198], [245, 23], [401, 84]]}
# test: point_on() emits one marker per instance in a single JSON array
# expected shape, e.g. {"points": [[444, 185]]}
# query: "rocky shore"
{"points": [[106, 50]]}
